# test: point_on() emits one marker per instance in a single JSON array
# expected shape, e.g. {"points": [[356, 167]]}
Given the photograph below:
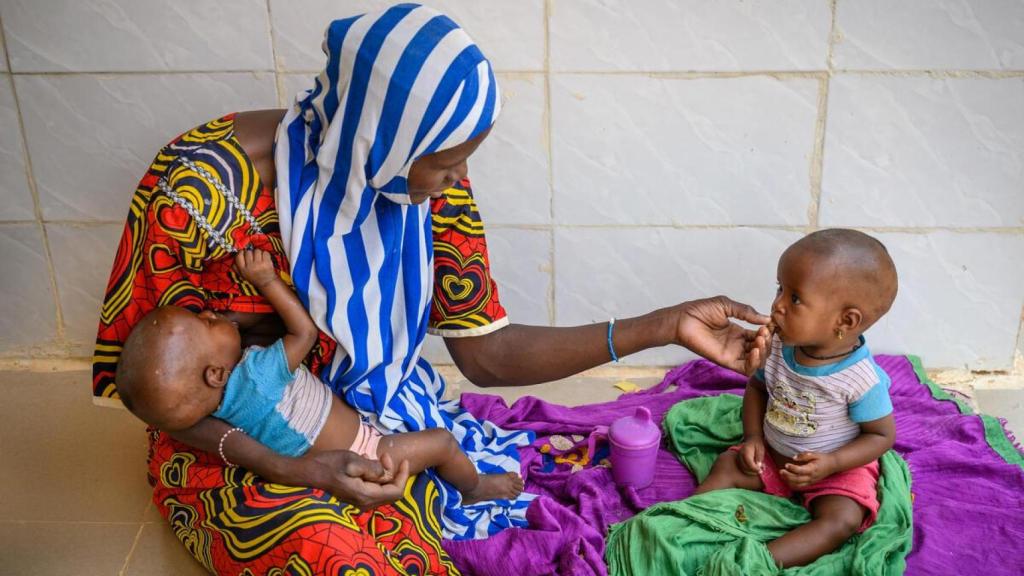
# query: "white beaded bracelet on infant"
{"points": [[220, 445]]}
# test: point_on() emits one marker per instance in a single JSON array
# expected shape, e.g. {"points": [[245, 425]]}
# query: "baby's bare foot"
{"points": [[493, 487]]}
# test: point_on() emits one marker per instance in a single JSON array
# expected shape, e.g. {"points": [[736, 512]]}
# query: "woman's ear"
{"points": [[850, 320], [215, 376]]}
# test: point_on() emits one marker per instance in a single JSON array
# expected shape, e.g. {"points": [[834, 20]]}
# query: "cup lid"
{"points": [[635, 431]]}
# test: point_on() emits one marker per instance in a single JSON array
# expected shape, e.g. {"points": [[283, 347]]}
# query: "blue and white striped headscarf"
{"points": [[399, 84]]}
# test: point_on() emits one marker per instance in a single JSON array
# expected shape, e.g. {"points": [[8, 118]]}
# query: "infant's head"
{"points": [[833, 284], [175, 364]]}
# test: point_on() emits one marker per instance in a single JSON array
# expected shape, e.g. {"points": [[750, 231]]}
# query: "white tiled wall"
{"points": [[81, 279], [924, 152], [29, 319], [511, 34], [650, 151], [682, 35], [17, 203], [628, 270], [631, 150], [930, 34], [88, 135], [125, 36]]}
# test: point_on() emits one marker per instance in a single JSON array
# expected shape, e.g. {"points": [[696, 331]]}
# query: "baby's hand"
{"points": [[757, 351], [256, 266], [751, 457], [809, 468]]}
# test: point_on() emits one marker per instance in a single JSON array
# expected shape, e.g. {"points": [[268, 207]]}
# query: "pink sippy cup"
{"points": [[634, 447]]}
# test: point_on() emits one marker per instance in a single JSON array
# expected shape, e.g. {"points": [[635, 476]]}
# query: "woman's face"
{"points": [[431, 175]]}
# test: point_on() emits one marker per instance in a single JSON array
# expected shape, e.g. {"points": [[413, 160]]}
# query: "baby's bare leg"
{"points": [[726, 473], [437, 449], [836, 518]]}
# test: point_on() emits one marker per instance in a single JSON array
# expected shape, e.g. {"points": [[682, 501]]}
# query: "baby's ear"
{"points": [[215, 376], [851, 319]]}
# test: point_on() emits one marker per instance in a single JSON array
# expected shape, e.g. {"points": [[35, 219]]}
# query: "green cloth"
{"points": [[725, 532]]}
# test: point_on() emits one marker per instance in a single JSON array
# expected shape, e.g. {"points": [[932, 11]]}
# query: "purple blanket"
{"points": [[967, 479]]}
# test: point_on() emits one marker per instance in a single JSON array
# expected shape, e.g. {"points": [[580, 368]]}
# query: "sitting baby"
{"points": [[817, 416], [179, 367]]}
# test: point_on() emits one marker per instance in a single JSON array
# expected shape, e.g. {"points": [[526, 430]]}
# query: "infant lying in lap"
{"points": [[179, 367]]}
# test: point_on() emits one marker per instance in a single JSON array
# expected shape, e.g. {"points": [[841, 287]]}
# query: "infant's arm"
{"points": [[876, 437], [755, 403], [257, 267], [873, 412]]}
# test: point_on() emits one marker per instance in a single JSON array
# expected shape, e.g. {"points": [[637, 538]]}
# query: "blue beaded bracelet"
{"points": [[611, 347]]}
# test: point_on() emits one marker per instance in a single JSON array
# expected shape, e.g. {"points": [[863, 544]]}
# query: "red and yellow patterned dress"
{"points": [[200, 201]]}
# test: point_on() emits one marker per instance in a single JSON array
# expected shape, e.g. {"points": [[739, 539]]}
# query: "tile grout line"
{"points": [[82, 364], [135, 543], [1017, 362], [33, 188], [820, 124], [278, 78], [1014, 230], [668, 74], [1009, 230], [552, 313], [797, 74], [817, 165], [832, 32]]}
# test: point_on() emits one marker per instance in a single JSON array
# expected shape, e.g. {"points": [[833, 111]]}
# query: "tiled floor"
{"points": [[73, 491]]}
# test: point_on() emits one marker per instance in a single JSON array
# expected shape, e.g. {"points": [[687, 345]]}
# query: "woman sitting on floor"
{"points": [[374, 217]]}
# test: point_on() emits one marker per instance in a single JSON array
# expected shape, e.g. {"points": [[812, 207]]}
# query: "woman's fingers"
{"points": [[370, 483], [401, 477], [388, 467], [740, 311], [359, 467]]}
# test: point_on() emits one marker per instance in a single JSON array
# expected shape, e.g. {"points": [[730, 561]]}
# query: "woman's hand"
{"points": [[356, 480], [704, 327]]}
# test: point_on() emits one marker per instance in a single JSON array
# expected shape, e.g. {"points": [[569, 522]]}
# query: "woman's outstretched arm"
{"points": [[346, 475], [519, 355]]}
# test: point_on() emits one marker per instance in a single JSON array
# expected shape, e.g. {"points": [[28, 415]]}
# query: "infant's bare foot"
{"points": [[493, 487]]}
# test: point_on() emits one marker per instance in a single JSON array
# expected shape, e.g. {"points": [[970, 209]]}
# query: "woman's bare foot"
{"points": [[493, 487]]}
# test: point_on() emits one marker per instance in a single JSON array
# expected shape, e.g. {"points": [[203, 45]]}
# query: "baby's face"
{"points": [[217, 335], [185, 344], [805, 307]]}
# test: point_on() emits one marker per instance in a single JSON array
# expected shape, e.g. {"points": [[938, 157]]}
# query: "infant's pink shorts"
{"points": [[367, 439], [859, 484]]}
